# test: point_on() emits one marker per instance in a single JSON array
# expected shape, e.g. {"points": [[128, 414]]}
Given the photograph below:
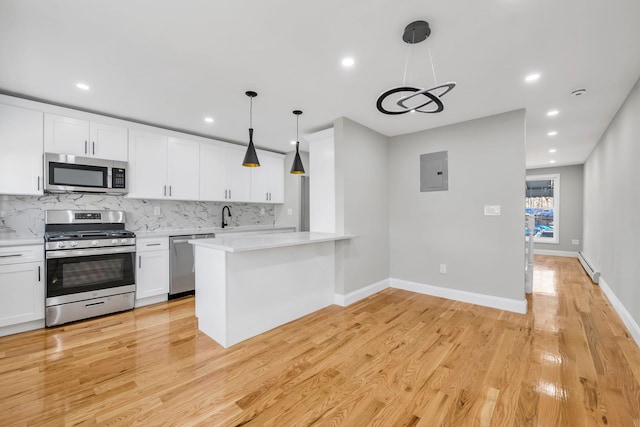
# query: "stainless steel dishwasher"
{"points": [[181, 265]]}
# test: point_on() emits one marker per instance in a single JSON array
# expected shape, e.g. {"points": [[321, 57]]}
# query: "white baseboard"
{"points": [[628, 321], [569, 254], [350, 298], [21, 327], [517, 306], [151, 300]]}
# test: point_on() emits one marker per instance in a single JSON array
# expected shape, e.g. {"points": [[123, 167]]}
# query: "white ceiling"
{"points": [[172, 63]]}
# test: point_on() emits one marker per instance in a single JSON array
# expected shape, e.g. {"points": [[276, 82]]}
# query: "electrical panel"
{"points": [[434, 171]]}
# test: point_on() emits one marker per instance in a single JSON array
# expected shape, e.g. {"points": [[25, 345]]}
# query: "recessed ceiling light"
{"points": [[552, 113], [293, 143], [552, 150], [532, 77], [348, 62], [552, 133], [552, 161], [82, 86], [208, 119]]}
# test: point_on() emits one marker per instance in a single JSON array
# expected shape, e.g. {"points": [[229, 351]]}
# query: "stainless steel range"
{"points": [[90, 265]]}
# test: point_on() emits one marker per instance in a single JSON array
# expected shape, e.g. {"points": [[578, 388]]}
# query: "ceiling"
{"points": [[172, 63]]}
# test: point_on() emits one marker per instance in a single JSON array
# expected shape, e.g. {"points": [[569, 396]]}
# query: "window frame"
{"points": [[556, 207]]}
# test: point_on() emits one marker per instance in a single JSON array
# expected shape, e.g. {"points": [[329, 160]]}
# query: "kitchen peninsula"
{"points": [[247, 285]]}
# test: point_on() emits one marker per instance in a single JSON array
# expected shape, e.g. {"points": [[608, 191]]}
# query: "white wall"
{"points": [[322, 188], [612, 204], [571, 200], [483, 254], [362, 204]]}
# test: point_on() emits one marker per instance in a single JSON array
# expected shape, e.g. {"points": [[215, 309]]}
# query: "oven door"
{"points": [[78, 274]]}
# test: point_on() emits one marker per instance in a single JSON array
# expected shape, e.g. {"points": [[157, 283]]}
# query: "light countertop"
{"points": [[215, 230], [10, 239], [252, 242]]}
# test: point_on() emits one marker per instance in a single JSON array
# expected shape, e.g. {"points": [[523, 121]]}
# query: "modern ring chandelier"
{"points": [[407, 98]]}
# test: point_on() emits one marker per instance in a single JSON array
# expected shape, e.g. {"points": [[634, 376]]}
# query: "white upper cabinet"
{"points": [[267, 181], [68, 135], [183, 169], [162, 167], [222, 176], [21, 160]]}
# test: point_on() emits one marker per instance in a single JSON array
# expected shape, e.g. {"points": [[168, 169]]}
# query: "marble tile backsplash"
{"points": [[24, 215]]}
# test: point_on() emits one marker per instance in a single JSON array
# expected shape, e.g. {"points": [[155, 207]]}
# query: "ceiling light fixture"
{"points": [[553, 113], [208, 119], [552, 161], [414, 33], [348, 62], [250, 157], [532, 77], [552, 133], [297, 168], [578, 92], [83, 86], [552, 150]]}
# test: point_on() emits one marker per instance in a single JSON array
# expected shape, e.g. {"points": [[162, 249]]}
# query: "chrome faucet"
{"points": [[224, 223]]}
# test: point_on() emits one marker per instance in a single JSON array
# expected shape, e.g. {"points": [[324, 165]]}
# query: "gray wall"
{"points": [[484, 254], [612, 203], [291, 193], [571, 199], [362, 204]]}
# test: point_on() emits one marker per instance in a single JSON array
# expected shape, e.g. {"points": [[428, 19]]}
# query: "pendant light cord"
{"points": [[433, 69], [406, 61], [251, 113]]}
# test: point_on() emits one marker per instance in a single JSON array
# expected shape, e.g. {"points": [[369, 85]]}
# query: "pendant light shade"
{"points": [[251, 157], [297, 168]]}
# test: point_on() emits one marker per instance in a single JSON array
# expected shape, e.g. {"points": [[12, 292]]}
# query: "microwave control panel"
{"points": [[118, 178]]}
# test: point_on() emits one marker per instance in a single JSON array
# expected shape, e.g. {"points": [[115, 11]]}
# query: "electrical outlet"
{"points": [[261, 211], [575, 242], [289, 211], [156, 210], [443, 268], [492, 209]]}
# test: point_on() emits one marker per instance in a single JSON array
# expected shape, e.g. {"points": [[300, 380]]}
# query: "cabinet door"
{"points": [[238, 176], [267, 181], [108, 142], [147, 165], [66, 135], [21, 142], [21, 293], [183, 169], [213, 173], [152, 276]]}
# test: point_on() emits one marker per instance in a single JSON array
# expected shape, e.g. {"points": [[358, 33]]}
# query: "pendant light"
{"points": [[297, 168], [408, 99], [251, 158]]}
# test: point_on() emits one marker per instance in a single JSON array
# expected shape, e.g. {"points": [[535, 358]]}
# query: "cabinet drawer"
{"points": [[21, 254], [152, 244]]}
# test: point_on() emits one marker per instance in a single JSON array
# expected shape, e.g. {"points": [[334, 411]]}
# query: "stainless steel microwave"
{"points": [[66, 173]]}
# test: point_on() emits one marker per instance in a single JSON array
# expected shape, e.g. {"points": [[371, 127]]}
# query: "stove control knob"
{"points": [[73, 244], [114, 241], [123, 241], [94, 243], [61, 244]]}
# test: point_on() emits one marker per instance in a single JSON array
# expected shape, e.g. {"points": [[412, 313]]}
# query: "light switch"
{"points": [[289, 211], [492, 209]]}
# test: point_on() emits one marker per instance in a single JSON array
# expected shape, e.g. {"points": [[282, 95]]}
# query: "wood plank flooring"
{"points": [[394, 359]]}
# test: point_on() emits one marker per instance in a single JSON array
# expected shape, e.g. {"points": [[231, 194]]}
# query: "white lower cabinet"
{"points": [[22, 286], [152, 270]]}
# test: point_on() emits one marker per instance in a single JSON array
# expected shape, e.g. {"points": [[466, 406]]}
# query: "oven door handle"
{"points": [[70, 253]]}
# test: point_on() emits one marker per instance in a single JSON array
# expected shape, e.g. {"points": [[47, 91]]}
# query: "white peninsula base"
{"points": [[247, 285]]}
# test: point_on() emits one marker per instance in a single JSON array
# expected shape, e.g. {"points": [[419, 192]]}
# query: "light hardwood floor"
{"points": [[394, 359]]}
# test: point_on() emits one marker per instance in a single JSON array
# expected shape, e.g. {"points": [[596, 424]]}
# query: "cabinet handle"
{"points": [[225, 194], [229, 194], [85, 147], [165, 190], [11, 256], [93, 145], [153, 244], [38, 182], [139, 261], [38, 273], [169, 191]]}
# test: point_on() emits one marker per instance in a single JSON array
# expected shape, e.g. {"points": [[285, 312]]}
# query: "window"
{"points": [[542, 200]]}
